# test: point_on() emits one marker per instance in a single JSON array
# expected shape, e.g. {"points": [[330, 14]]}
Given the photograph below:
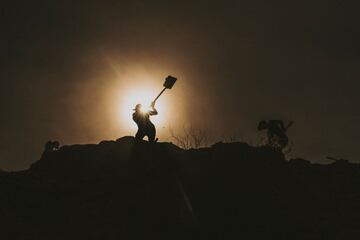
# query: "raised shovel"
{"points": [[168, 84]]}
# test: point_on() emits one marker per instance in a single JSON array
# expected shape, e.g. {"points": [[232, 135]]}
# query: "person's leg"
{"points": [[151, 133], [140, 134]]}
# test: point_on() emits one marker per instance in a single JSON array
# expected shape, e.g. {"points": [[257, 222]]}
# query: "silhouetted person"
{"points": [[276, 132], [50, 146], [142, 119]]}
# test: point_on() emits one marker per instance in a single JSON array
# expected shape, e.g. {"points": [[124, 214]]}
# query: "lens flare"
{"points": [[143, 97], [144, 109]]}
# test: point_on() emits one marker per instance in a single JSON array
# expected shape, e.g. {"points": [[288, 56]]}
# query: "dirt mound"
{"points": [[127, 189]]}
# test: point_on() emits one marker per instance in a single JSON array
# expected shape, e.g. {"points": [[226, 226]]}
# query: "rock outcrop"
{"points": [[126, 189]]}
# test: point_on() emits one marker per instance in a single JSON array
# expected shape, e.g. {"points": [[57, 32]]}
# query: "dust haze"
{"points": [[65, 67]]}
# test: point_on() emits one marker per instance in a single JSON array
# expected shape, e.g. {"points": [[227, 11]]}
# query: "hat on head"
{"points": [[138, 106]]}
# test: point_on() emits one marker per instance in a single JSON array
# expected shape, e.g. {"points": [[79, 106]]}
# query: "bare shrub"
{"points": [[190, 137]]}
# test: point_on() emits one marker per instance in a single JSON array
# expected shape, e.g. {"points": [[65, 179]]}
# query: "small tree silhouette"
{"points": [[190, 137]]}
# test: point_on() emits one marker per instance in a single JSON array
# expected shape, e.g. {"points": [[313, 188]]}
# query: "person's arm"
{"points": [[153, 110], [280, 123]]}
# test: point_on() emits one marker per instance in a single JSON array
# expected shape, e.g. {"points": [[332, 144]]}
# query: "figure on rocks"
{"points": [[276, 133], [50, 146], [142, 118]]}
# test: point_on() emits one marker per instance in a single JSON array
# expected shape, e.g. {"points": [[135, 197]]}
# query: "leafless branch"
{"points": [[190, 137]]}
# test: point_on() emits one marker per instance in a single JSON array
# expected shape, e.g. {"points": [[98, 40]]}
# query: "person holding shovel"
{"points": [[142, 120], [142, 116]]}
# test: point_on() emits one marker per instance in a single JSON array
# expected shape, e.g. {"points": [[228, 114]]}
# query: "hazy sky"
{"points": [[67, 66]]}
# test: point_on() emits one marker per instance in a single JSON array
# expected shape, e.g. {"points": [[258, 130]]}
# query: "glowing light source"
{"points": [[144, 109], [143, 96]]}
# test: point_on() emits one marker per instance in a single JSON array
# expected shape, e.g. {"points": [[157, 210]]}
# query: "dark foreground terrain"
{"points": [[136, 190]]}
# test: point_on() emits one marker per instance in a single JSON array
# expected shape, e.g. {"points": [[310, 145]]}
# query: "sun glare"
{"points": [[144, 109], [143, 97]]}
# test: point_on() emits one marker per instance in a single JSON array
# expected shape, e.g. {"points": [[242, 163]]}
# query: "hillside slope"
{"points": [[137, 190]]}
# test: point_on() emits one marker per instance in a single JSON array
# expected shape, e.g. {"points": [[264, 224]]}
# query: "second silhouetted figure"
{"points": [[142, 118], [276, 132]]}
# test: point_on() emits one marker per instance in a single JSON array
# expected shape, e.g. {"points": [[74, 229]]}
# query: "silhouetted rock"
{"points": [[128, 189]]}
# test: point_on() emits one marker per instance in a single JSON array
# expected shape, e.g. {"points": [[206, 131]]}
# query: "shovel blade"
{"points": [[169, 82]]}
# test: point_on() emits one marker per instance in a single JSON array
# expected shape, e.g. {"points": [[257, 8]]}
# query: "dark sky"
{"points": [[64, 63]]}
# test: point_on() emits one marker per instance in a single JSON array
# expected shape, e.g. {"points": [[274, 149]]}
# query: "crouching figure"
{"points": [[276, 133]]}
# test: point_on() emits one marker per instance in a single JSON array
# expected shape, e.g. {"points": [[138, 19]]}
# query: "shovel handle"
{"points": [[160, 94]]}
